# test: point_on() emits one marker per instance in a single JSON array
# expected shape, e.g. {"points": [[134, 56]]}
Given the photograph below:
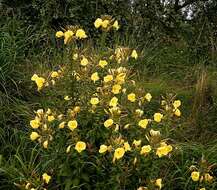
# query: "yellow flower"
{"points": [[119, 153], [137, 142], [62, 125], [154, 133], [108, 78], [46, 178], [143, 123], [35, 123], [177, 112], [80, 146], [113, 102], [120, 78], [148, 97], [195, 176], [116, 89], [98, 22], [40, 81], [95, 77], [159, 183], [34, 136], [105, 23], [145, 149], [45, 144], [115, 25], [127, 147], [75, 56], [50, 118], [177, 103], [67, 98], [80, 33], [34, 77], [103, 63], [108, 123], [134, 54], [84, 61], [94, 101], [158, 117], [77, 109], [103, 149], [203, 188], [131, 97], [68, 149], [163, 150], [68, 36], [72, 124], [208, 177], [54, 74], [59, 34]]}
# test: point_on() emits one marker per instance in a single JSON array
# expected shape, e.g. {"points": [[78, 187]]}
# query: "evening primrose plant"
{"points": [[101, 117]]}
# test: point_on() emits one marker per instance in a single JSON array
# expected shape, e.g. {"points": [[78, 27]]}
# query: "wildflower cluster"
{"points": [[202, 175], [106, 23], [105, 94]]}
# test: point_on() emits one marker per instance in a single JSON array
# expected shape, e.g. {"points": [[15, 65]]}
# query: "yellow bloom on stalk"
{"points": [[68, 36], [75, 56], [84, 61], [195, 176], [177, 103], [116, 89], [103, 63], [72, 125], [158, 183], [120, 78], [35, 123], [80, 33], [145, 149], [163, 150], [94, 101], [177, 112], [148, 97], [108, 78], [80, 146], [34, 136], [54, 74], [59, 34], [208, 177], [131, 97], [50, 118], [67, 98], [143, 123], [105, 23], [134, 54], [115, 25], [203, 188], [62, 125], [158, 117], [108, 123], [46, 178], [95, 77], [40, 81], [103, 148], [113, 102], [119, 153], [127, 147], [98, 22], [45, 144], [137, 143], [68, 149]]}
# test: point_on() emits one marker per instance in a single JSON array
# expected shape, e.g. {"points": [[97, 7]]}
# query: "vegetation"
{"points": [[108, 95]]}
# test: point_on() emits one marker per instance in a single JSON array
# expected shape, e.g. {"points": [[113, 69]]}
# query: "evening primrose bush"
{"points": [[101, 131]]}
